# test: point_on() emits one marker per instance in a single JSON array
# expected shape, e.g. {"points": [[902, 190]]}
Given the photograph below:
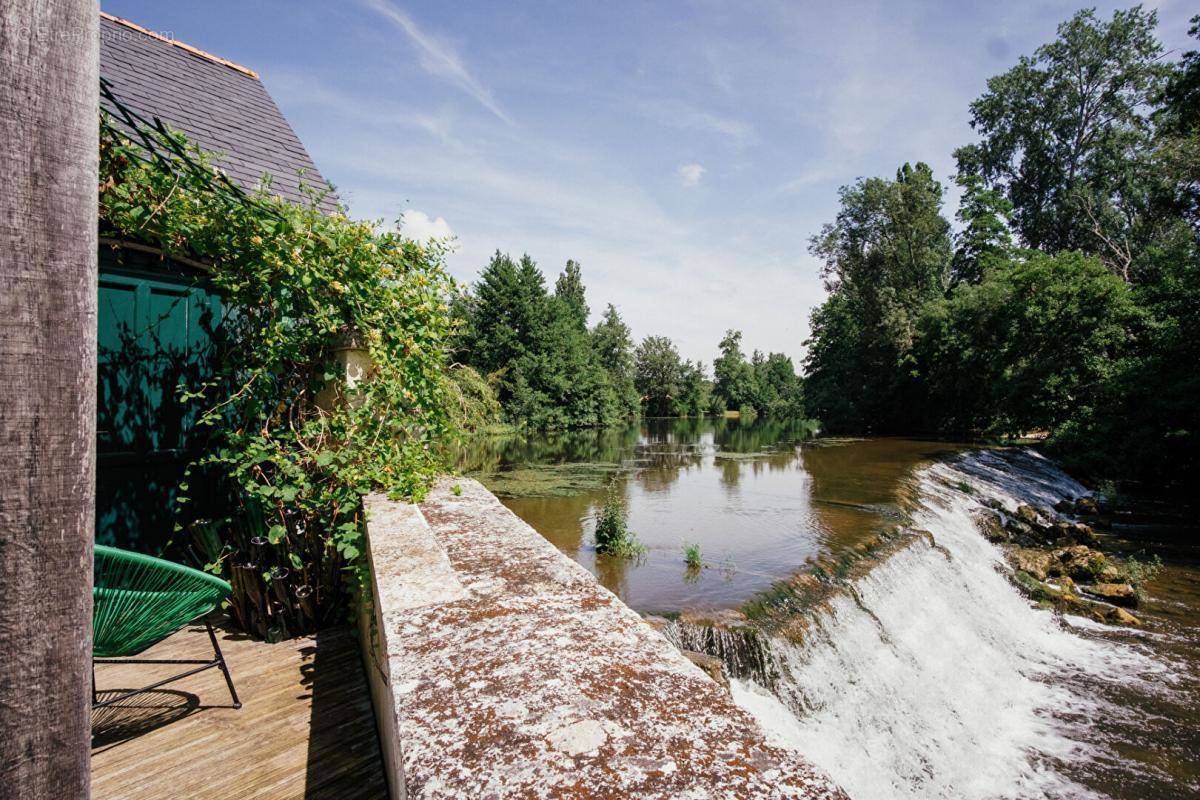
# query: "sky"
{"points": [[683, 152]]}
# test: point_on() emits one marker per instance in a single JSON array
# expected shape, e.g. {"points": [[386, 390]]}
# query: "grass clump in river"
{"points": [[613, 536], [549, 480], [692, 556]]}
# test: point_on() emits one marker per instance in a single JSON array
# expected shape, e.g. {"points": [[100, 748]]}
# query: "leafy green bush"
{"points": [[613, 536], [295, 283]]}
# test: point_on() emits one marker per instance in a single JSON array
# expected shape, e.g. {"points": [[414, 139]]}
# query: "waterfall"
{"points": [[935, 678]]}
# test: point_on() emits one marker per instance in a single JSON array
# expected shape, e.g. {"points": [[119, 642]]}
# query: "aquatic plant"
{"points": [[613, 536], [692, 556]]}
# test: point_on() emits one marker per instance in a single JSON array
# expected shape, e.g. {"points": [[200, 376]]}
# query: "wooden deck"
{"points": [[305, 730]]}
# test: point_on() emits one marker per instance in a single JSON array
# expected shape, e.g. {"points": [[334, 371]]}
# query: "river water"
{"points": [[933, 678]]}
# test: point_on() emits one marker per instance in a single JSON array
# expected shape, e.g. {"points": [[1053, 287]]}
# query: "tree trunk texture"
{"points": [[49, 101]]}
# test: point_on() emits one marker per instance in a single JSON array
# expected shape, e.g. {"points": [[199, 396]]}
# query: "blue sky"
{"points": [[683, 152]]}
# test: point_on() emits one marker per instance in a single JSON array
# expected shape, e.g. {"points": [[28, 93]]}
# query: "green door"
{"points": [[156, 326]]}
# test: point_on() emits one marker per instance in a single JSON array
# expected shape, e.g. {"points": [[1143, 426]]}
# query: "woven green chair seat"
{"points": [[140, 600]]}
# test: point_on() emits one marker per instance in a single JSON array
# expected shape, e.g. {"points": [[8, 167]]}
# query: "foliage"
{"points": [[550, 371], [692, 555], [732, 376], [1142, 572], [471, 400], [295, 283], [613, 536], [658, 374], [887, 255], [613, 345], [764, 385], [984, 241], [1027, 348], [1084, 326], [1064, 134], [695, 391]]}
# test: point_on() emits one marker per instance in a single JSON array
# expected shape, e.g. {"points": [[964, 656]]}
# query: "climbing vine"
{"points": [[284, 473]]}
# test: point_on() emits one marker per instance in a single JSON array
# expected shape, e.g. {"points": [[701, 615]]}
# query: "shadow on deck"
{"points": [[305, 729]]}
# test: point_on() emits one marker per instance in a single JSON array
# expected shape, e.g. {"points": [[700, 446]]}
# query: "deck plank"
{"points": [[305, 730]]}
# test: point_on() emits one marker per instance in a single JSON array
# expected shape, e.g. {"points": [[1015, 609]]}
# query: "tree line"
{"points": [[526, 351], [1068, 301]]}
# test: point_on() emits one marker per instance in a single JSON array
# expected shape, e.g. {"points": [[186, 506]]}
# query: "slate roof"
{"points": [[219, 105]]}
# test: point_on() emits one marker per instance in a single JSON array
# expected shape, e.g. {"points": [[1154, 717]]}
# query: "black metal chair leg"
{"points": [[220, 658]]}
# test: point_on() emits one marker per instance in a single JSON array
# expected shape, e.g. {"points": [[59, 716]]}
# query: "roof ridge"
{"points": [[193, 50]]}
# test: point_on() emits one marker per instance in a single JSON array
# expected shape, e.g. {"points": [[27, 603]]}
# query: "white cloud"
{"points": [[686, 117], [690, 174], [419, 226], [439, 58]]}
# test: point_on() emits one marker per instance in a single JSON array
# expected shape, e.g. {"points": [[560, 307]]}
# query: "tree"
{"points": [[1178, 120], [49, 97], [506, 318], [885, 256], [985, 239], [549, 371], [1063, 135], [1029, 348], [780, 391], [613, 344], [659, 374], [570, 290], [695, 391], [732, 376]]}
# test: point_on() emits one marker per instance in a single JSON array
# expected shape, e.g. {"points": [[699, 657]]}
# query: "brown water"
{"points": [[761, 499]]}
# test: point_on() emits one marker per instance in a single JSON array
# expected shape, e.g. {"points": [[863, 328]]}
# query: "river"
{"points": [[933, 677]]}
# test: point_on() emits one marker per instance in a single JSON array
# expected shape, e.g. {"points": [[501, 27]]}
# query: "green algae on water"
{"points": [[549, 480]]}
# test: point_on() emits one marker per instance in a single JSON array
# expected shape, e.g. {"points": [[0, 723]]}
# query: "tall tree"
{"points": [[570, 290], [780, 392], [886, 255], [612, 342], [1063, 133], [1179, 126], [733, 377], [985, 239], [507, 317], [659, 374], [49, 96]]}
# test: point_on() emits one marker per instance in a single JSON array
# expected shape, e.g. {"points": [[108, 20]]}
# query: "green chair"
{"points": [[138, 601]]}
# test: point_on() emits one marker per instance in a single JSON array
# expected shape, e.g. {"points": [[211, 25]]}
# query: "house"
{"points": [[157, 315]]}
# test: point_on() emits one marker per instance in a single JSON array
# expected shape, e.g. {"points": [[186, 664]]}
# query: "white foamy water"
{"points": [[939, 680]]}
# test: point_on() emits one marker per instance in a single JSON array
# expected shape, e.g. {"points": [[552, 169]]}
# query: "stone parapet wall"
{"points": [[509, 672]]}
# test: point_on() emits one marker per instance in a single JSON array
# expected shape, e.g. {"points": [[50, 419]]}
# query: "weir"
{"points": [[929, 675]]}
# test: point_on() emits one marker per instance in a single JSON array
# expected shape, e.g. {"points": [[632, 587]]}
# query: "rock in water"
{"points": [[1027, 559], [1119, 616], [1119, 594], [1027, 514], [991, 526]]}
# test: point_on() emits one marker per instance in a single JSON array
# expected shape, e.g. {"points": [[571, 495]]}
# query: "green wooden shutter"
{"points": [[155, 331]]}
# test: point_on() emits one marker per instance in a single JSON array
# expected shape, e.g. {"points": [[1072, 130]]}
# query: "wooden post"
{"points": [[49, 101]]}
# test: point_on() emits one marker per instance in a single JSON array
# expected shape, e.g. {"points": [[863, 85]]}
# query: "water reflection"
{"points": [[761, 499]]}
